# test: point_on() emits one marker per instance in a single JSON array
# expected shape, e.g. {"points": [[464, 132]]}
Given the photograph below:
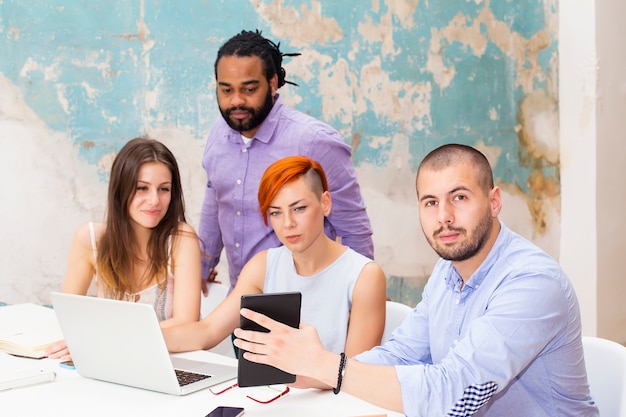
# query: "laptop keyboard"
{"points": [[186, 377]]}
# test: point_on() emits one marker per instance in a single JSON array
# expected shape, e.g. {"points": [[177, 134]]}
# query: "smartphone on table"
{"points": [[223, 411]]}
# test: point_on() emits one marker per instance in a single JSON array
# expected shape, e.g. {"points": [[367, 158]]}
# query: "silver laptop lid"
{"points": [[121, 342]]}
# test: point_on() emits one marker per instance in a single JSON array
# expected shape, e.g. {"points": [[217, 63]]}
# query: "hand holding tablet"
{"points": [[282, 307]]}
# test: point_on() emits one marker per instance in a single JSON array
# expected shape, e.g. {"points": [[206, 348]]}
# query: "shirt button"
{"points": [[457, 301], [238, 213], [239, 182], [455, 342], [237, 245], [244, 150]]}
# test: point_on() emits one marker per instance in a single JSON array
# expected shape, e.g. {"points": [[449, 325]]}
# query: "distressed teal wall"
{"points": [[397, 78]]}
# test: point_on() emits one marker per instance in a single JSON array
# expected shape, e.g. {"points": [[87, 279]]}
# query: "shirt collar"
{"points": [[269, 125], [453, 278]]}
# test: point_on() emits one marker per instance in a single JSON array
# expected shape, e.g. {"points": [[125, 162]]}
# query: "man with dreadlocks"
{"points": [[255, 130]]}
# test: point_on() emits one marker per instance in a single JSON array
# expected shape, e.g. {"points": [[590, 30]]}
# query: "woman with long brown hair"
{"points": [[145, 245]]}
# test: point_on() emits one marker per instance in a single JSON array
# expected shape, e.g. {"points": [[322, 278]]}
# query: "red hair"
{"points": [[287, 170]]}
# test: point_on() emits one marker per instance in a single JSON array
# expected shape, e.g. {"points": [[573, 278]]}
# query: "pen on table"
{"points": [[28, 378]]}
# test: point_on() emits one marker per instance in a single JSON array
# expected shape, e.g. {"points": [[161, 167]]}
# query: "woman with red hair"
{"points": [[343, 292]]}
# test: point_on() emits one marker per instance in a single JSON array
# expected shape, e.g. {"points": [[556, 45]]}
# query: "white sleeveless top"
{"points": [[162, 301], [326, 296]]}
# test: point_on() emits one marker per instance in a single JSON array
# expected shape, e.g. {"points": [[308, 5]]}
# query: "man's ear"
{"points": [[274, 85], [495, 199]]}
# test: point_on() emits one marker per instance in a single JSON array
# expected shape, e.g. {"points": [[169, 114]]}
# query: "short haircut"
{"points": [[287, 170], [453, 153], [249, 44]]}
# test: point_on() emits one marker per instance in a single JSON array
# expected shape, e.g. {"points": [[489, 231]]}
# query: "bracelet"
{"points": [[341, 373]]}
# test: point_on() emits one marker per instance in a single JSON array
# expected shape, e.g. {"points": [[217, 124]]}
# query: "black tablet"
{"points": [[283, 307]]}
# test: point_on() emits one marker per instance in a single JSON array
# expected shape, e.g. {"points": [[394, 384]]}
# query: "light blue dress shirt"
{"points": [[507, 343], [230, 214]]}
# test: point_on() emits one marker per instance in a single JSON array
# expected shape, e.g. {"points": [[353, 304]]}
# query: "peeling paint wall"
{"points": [[397, 78]]}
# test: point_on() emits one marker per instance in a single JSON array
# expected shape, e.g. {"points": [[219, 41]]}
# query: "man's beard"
{"points": [[256, 115], [470, 247]]}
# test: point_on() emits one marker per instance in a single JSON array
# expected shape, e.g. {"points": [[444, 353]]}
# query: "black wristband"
{"points": [[340, 373]]}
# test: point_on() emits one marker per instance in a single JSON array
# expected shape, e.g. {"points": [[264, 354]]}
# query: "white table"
{"points": [[72, 395]]}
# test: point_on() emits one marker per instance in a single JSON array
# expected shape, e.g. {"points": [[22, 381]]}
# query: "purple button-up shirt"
{"points": [[230, 216]]}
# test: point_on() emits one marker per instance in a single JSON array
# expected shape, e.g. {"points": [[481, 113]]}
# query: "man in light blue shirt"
{"points": [[498, 330]]}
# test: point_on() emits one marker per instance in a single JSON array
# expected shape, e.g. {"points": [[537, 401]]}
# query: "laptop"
{"points": [[121, 342]]}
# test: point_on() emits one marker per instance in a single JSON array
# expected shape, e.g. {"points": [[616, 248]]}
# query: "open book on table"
{"points": [[28, 329]]}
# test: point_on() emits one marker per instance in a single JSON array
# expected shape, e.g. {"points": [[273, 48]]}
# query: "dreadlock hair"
{"points": [[249, 43]]}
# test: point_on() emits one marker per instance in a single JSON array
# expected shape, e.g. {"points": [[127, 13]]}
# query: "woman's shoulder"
{"points": [[368, 267], [184, 227], [184, 235], [357, 257], [83, 232], [261, 256], [252, 276]]}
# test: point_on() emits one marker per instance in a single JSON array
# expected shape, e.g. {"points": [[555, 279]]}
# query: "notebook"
{"points": [[28, 329], [121, 342], [283, 307]]}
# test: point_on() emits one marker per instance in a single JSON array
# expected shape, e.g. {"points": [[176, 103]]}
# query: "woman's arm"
{"points": [[367, 317], [223, 320], [81, 266], [79, 273], [187, 270]]}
